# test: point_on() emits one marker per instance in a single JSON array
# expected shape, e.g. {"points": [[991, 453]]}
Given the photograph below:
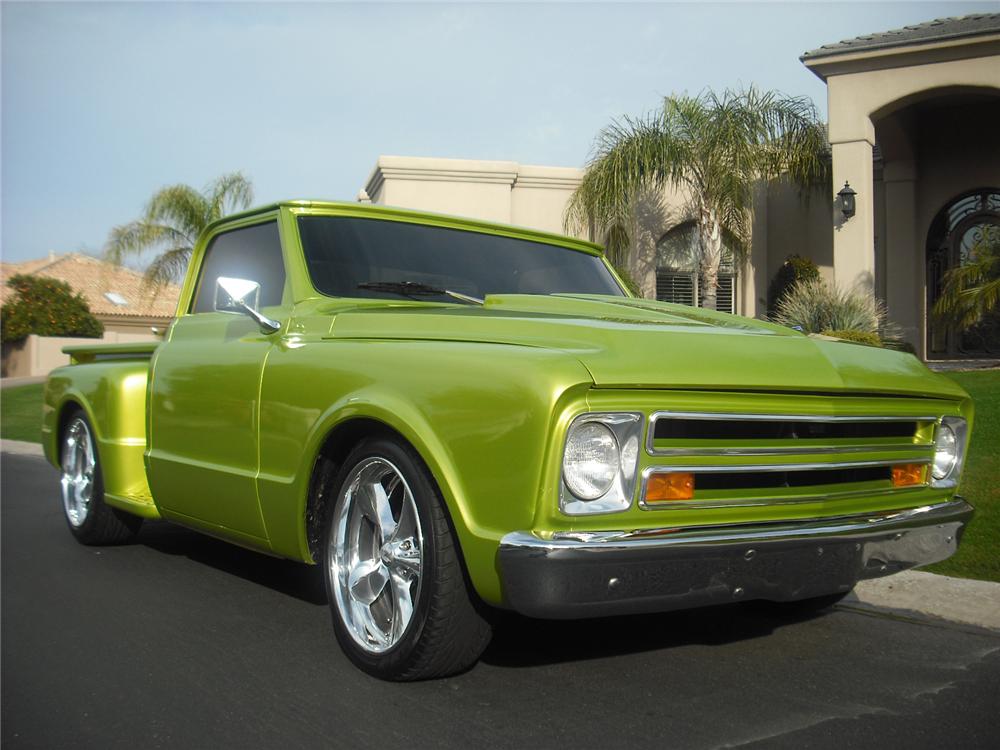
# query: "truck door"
{"points": [[204, 397]]}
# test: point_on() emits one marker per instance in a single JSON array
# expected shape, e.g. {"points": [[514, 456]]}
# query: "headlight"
{"points": [[949, 452], [590, 461], [599, 463]]}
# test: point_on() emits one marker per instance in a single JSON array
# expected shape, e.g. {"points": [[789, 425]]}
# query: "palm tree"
{"points": [[971, 291], [716, 147], [172, 221]]}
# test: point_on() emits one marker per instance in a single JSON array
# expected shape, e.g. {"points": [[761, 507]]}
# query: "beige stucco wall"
{"points": [[39, 355], [501, 191], [798, 223]]}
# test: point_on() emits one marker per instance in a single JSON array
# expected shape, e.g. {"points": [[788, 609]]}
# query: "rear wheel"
{"points": [[401, 607], [82, 485]]}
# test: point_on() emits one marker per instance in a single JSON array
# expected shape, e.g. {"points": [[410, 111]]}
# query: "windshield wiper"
{"points": [[415, 289]]}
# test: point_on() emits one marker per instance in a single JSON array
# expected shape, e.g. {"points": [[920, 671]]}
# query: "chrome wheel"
{"points": [[78, 464], [375, 555]]}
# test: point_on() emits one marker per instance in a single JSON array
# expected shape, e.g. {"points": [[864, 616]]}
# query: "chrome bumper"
{"points": [[587, 574]]}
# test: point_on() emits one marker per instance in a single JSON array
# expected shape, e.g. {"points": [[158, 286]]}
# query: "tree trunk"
{"points": [[711, 255]]}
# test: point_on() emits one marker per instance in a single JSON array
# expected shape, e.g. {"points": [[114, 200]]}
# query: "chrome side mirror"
{"points": [[241, 297]]}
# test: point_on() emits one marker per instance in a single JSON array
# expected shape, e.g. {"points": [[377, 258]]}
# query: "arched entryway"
{"points": [[960, 228]]}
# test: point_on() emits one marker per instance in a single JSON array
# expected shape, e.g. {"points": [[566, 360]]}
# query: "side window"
{"points": [[252, 253]]}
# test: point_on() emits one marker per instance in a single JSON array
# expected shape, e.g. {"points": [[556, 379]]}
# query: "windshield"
{"points": [[349, 257]]}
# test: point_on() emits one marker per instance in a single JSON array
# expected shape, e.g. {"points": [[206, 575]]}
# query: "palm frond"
{"points": [[230, 192], [971, 291], [174, 218], [167, 268], [182, 207], [139, 236], [716, 146]]}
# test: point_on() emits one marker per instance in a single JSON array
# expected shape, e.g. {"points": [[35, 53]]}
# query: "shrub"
{"points": [[856, 337], [815, 307], [795, 268], [46, 307]]}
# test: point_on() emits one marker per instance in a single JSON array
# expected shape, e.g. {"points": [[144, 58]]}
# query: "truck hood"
{"points": [[634, 343]]}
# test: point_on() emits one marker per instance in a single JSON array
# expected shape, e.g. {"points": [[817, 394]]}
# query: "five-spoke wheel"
{"points": [[78, 465], [401, 606], [375, 554], [89, 518]]}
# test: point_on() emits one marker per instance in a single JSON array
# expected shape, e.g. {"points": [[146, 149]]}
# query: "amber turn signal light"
{"points": [[664, 487], [907, 475]]}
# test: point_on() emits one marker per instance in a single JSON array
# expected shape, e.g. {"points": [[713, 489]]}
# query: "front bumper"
{"points": [[586, 574]]}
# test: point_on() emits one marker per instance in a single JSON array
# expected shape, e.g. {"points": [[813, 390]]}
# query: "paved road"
{"points": [[182, 641]]}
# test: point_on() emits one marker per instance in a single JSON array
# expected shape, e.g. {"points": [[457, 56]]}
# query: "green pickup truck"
{"points": [[452, 417]]}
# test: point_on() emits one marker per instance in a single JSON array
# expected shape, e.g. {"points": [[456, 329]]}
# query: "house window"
{"points": [[677, 278]]}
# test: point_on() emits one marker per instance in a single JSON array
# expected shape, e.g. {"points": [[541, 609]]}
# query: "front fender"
{"points": [[480, 415]]}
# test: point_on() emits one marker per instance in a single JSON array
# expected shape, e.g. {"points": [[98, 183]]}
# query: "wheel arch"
{"points": [[70, 403]]}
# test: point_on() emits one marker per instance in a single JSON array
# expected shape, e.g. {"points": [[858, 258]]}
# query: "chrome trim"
{"points": [[755, 468], [624, 426], [743, 502], [775, 451], [589, 574], [737, 502], [960, 426], [803, 451], [672, 536]]}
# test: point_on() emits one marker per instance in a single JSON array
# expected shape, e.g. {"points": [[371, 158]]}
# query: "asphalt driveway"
{"points": [[179, 640]]}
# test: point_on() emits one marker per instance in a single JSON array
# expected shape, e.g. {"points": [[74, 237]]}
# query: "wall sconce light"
{"points": [[846, 196]]}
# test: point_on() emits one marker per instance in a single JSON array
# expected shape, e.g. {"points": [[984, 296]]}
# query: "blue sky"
{"points": [[104, 103]]}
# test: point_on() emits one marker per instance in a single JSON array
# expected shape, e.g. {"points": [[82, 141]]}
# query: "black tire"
{"points": [[445, 632], [91, 521]]}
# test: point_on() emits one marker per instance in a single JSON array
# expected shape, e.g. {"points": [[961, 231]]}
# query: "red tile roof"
{"points": [[94, 279]]}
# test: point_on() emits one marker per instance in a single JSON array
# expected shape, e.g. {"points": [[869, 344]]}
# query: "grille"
{"points": [[744, 480], [775, 429], [692, 434], [759, 459]]}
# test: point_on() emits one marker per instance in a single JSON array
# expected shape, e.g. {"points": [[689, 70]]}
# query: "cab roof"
{"points": [[457, 222]]}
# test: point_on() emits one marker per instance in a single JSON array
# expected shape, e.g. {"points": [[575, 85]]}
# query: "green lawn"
{"points": [[21, 413], [978, 557]]}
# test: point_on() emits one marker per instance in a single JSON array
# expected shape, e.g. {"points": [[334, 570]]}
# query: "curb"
{"points": [[960, 600], [21, 448]]}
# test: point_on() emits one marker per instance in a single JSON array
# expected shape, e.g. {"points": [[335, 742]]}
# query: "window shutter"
{"points": [[675, 287]]}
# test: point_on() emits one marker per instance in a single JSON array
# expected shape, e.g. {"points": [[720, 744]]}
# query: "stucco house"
{"points": [[115, 295], [913, 122]]}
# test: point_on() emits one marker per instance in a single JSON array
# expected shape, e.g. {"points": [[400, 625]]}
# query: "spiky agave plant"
{"points": [[816, 307], [172, 221]]}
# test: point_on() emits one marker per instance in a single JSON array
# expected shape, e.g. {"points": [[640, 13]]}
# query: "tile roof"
{"points": [[95, 278], [930, 31]]}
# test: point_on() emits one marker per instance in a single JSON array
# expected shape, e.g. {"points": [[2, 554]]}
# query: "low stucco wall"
{"points": [[39, 355]]}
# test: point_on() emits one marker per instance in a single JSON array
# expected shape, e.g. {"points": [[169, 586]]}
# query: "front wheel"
{"points": [[401, 607], [89, 519]]}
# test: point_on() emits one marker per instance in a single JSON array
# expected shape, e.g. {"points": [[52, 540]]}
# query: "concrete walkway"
{"points": [[956, 599]]}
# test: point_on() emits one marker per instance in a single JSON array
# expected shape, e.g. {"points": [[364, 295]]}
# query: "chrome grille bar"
{"points": [[791, 449]]}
